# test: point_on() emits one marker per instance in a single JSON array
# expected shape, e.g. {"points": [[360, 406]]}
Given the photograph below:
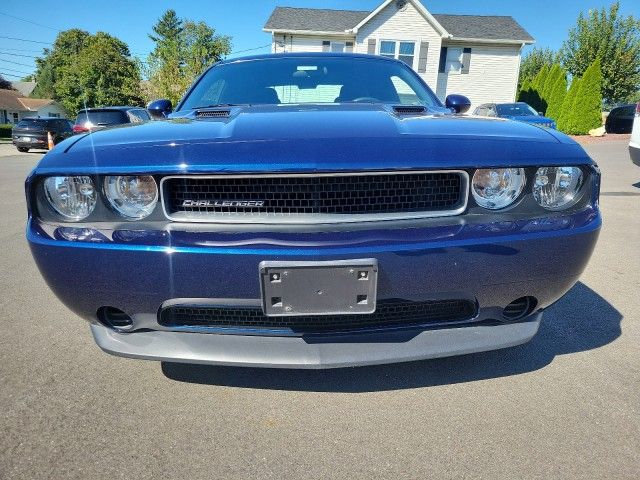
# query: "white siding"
{"points": [[407, 24], [492, 77], [51, 110], [299, 43]]}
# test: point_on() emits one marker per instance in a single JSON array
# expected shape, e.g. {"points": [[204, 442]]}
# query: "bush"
{"points": [[5, 130], [566, 111], [587, 111], [557, 96]]}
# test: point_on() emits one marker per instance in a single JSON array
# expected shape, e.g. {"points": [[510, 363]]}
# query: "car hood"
{"points": [[311, 138]]}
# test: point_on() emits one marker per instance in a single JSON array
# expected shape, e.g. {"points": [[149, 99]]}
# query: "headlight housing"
{"points": [[557, 188], [496, 188], [132, 196], [72, 197]]}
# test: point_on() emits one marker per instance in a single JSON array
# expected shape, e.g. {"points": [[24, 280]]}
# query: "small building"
{"points": [[14, 107], [474, 55]]}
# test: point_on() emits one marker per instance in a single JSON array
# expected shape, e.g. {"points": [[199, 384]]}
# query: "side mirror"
{"points": [[457, 103], [159, 109]]}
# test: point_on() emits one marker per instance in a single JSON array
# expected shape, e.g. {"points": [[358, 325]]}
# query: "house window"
{"points": [[454, 61], [404, 51], [53, 115], [15, 117], [339, 47]]}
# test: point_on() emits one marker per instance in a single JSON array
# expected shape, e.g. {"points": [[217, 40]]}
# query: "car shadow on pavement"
{"points": [[582, 320]]}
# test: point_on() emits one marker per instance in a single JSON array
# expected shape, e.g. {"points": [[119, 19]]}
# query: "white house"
{"points": [[477, 56], [14, 107]]}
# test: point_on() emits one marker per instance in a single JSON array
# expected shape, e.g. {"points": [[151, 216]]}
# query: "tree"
{"points": [[88, 70], [67, 45], [5, 84], [557, 96], [533, 62], [534, 94], [101, 74], [587, 110], [184, 49], [612, 38], [554, 73], [566, 111]]}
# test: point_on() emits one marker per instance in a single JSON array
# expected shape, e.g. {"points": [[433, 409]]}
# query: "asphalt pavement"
{"points": [[565, 405]]}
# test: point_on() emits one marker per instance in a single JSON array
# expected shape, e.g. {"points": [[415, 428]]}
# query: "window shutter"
{"points": [[466, 60], [422, 59], [371, 46], [326, 46], [349, 47], [443, 59]]}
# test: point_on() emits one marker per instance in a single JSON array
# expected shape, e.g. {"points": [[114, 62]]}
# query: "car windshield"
{"points": [[102, 117], [31, 123], [309, 80], [515, 110]]}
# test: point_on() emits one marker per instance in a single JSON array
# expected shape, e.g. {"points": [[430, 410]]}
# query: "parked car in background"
{"points": [[313, 210], [634, 144], [97, 118], [620, 119], [33, 132], [520, 111]]}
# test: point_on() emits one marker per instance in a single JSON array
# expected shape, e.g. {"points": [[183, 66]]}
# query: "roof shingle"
{"points": [[480, 27], [314, 19]]}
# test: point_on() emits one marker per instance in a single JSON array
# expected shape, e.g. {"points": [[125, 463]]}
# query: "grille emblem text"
{"points": [[223, 203]]}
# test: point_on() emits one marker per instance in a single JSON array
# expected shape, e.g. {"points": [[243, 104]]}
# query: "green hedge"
{"points": [[5, 130]]}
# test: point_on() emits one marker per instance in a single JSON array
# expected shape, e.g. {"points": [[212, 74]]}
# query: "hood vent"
{"points": [[409, 110], [213, 113]]}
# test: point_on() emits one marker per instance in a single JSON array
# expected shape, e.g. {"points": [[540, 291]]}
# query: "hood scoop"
{"points": [[213, 113], [409, 110]]}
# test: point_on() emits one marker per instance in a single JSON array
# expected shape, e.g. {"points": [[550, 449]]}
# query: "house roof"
{"points": [[13, 100], [483, 27], [25, 88], [314, 19], [476, 27]]}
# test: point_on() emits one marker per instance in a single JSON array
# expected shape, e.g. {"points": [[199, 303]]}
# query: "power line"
{"points": [[250, 49], [17, 71], [18, 55], [29, 21], [10, 75], [16, 63], [25, 40]]}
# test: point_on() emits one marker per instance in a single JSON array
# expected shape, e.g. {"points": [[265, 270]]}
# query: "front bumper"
{"points": [[493, 263]]}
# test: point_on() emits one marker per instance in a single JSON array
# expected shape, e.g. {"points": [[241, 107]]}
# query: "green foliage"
{"points": [[533, 95], [102, 73], [533, 62], [5, 130], [554, 73], [567, 109], [88, 70], [184, 49], [615, 40], [557, 96], [587, 111]]}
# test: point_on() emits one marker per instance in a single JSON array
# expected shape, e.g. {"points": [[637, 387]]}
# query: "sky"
{"points": [[131, 21]]}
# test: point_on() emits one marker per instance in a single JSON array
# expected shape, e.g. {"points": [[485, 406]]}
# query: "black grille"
{"points": [[409, 110], [339, 194], [389, 313]]}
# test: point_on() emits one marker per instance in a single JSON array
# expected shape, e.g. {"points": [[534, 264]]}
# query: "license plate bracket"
{"points": [[319, 288]]}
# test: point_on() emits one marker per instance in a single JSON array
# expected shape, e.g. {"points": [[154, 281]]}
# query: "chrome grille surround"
{"points": [[254, 215]]}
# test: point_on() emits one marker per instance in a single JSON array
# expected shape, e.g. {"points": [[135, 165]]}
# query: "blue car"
{"points": [[519, 111], [312, 211]]}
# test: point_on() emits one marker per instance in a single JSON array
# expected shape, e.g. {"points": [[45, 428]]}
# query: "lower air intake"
{"points": [[389, 313]]}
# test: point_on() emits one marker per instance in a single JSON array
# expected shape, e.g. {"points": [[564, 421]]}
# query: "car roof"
{"points": [[308, 55], [115, 108]]}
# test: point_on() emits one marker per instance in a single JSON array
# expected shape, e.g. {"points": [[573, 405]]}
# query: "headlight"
{"points": [[74, 198], [132, 196], [496, 188], [556, 188]]}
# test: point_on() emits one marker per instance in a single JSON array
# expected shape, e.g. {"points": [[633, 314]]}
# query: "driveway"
{"points": [[565, 405]]}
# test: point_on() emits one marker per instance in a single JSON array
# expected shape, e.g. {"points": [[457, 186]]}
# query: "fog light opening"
{"points": [[519, 308], [115, 319]]}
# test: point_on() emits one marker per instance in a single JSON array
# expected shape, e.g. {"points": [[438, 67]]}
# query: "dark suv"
{"points": [[32, 132], [97, 118]]}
